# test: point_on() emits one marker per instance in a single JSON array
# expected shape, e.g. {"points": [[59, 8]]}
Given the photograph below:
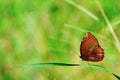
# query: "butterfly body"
{"points": [[90, 49]]}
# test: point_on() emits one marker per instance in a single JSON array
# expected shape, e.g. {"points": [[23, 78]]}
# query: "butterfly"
{"points": [[90, 49]]}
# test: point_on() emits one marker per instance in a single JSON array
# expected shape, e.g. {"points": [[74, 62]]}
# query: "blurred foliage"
{"points": [[34, 31]]}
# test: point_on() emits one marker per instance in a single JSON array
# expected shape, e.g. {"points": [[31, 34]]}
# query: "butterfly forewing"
{"points": [[88, 43]]}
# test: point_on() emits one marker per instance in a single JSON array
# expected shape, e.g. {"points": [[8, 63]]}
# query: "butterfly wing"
{"points": [[87, 45]]}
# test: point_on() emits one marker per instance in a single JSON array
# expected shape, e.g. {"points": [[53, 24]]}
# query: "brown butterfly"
{"points": [[90, 49]]}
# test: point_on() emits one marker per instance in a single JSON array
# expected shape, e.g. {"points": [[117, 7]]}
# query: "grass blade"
{"points": [[109, 25], [49, 64], [69, 64], [83, 9], [118, 77], [82, 30]]}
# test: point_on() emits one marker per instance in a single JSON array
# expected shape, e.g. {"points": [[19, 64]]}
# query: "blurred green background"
{"points": [[34, 31]]}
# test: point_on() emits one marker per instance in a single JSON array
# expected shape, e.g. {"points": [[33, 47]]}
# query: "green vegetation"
{"points": [[50, 31]]}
